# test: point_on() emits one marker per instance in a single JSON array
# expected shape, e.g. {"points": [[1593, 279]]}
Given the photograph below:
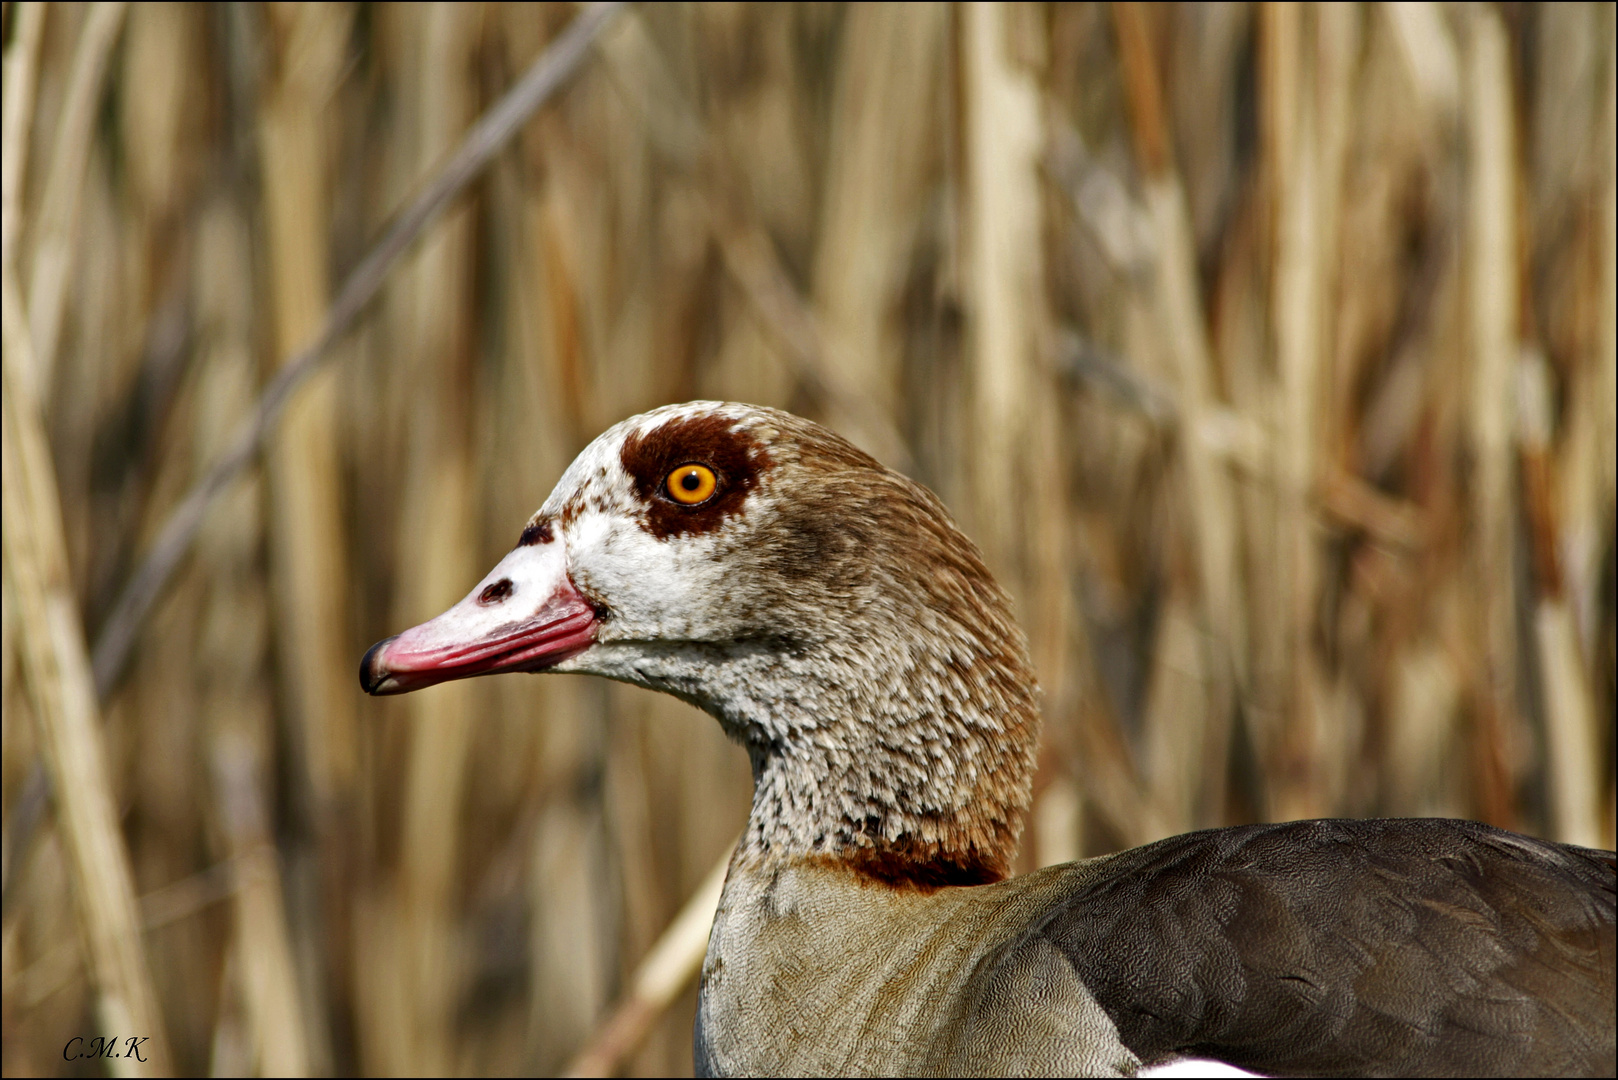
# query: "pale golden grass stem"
{"points": [[308, 500], [437, 538], [1178, 332], [1492, 304], [666, 970], [1001, 222], [56, 671], [875, 182], [21, 66], [58, 222], [1572, 736], [269, 977]]}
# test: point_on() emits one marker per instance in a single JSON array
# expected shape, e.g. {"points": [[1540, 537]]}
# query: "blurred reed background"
{"points": [[1268, 350]]}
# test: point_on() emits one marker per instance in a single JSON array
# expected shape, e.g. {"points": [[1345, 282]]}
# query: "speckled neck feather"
{"points": [[872, 666]]}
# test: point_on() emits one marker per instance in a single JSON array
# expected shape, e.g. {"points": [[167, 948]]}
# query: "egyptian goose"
{"points": [[827, 612]]}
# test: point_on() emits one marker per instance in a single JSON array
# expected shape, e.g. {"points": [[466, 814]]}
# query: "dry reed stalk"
{"points": [[156, 87], [1113, 786], [309, 48], [1424, 708], [668, 967], [1175, 329], [1058, 638], [184, 898], [1174, 755], [1492, 305], [1428, 52], [873, 192], [1339, 35], [1001, 151], [1117, 222], [1572, 738], [577, 403], [229, 1050], [55, 967], [272, 1013], [21, 66], [1604, 392], [1586, 451], [437, 542], [1289, 743], [1015, 469], [1607, 287], [54, 661], [57, 237], [269, 978], [648, 82], [308, 502], [1058, 821], [1568, 465], [1081, 729], [1185, 336], [12, 724], [1148, 803], [1308, 100], [627, 798], [570, 922], [62, 694]]}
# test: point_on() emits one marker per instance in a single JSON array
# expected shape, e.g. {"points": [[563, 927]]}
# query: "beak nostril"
{"points": [[496, 592]]}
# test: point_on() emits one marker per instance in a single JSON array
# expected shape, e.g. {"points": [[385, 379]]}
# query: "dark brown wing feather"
{"points": [[1414, 948]]}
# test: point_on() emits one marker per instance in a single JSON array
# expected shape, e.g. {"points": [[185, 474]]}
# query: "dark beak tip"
{"points": [[371, 675]]}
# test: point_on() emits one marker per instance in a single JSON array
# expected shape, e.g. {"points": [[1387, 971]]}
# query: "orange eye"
{"points": [[691, 484]]}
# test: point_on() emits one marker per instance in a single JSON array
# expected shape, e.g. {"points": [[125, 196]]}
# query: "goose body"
{"points": [[827, 612]]}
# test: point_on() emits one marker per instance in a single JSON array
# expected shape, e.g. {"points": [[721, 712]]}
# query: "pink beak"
{"points": [[526, 615]]}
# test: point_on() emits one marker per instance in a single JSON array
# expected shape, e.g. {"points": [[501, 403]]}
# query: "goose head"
{"points": [[823, 608]]}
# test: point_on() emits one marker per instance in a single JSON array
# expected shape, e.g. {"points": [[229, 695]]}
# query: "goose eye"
{"points": [[691, 484]]}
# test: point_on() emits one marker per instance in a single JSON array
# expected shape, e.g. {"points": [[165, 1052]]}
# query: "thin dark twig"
{"points": [[1080, 359], [485, 139]]}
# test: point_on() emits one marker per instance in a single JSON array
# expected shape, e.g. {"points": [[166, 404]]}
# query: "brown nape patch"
{"points": [[905, 866], [735, 457], [536, 532]]}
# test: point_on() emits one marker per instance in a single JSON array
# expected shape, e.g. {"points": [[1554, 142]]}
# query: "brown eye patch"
{"points": [[735, 458]]}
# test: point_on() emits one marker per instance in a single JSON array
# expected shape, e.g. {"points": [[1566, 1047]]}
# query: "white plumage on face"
{"points": [[654, 590], [660, 570]]}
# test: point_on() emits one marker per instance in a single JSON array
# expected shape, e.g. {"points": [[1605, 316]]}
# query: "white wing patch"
{"points": [[1194, 1067]]}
